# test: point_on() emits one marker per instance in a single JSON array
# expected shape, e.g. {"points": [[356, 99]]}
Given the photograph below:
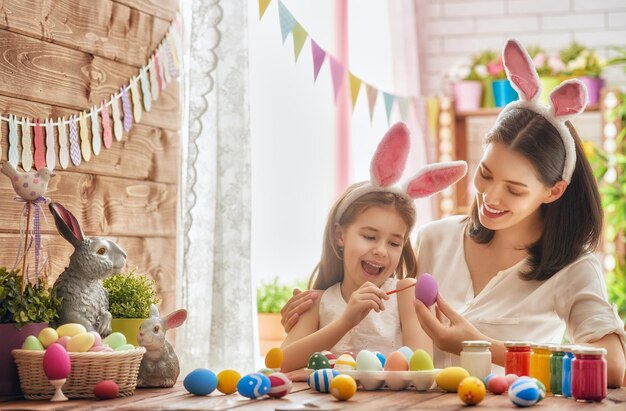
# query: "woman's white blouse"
{"points": [[510, 308]]}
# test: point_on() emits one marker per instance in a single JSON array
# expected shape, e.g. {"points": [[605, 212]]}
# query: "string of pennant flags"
{"points": [[89, 130], [339, 73]]}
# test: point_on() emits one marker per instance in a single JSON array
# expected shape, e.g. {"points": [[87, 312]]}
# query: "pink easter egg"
{"points": [[511, 378], [330, 357], [106, 390], [280, 385], [426, 289], [63, 341], [497, 385], [56, 362], [101, 348], [97, 339]]}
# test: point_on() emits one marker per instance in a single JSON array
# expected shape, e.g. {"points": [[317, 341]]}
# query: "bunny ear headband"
{"points": [[388, 164], [566, 101]]}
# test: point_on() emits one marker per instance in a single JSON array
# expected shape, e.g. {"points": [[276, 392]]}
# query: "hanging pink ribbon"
{"points": [[107, 136], [40, 150], [35, 232]]}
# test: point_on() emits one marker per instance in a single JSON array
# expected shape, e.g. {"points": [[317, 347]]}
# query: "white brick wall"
{"points": [[456, 29]]}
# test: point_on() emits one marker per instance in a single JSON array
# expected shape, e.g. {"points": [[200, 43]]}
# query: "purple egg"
{"points": [[426, 289]]}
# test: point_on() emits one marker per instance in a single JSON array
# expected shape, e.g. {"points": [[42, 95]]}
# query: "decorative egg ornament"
{"points": [[345, 362], [280, 385], [57, 367], [330, 357], [471, 390], [426, 289], [106, 390], [227, 381], [497, 385], [450, 378], [274, 358], [542, 389], [343, 387], [200, 381], [318, 361], [254, 385], [320, 380], [524, 392]]}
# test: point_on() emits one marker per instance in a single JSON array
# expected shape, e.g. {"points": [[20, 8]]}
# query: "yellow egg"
{"points": [[471, 390], [71, 329], [450, 378], [80, 342], [227, 381], [420, 361], [274, 358], [48, 336], [343, 387]]}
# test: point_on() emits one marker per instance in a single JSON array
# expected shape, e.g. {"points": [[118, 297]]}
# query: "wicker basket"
{"points": [[88, 369]]}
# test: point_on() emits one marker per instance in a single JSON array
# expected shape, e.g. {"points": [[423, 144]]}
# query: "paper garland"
{"points": [[84, 139], [339, 73]]}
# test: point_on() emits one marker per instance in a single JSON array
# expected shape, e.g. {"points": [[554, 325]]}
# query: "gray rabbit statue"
{"points": [[85, 300], [159, 365]]}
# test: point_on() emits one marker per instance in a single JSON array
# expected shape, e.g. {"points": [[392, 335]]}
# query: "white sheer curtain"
{"points": [[214, 201]]}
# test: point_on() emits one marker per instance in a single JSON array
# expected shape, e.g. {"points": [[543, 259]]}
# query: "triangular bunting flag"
{"points": [[262, 7], [355, 87], [287, 22], [337, 72], [318, 58], [388, 104], [403, 104], [299, 37], [372, 96]]}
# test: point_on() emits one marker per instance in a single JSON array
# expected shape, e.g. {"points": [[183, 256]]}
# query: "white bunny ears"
{"points": [[388, 164], [566, 101]]}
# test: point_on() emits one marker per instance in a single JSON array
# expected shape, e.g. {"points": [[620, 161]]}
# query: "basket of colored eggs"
{"points": [[81, 357]]}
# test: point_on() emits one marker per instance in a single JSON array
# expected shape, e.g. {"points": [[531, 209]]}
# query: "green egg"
{"points": [[318, 361], [32, 343], [420, 361], [115, 340], [125, 347]]}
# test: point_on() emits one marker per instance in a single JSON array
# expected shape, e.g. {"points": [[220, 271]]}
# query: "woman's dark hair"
{"points": [[572, 224]]}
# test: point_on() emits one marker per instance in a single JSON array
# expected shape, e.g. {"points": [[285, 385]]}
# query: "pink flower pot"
{"points": [[594, 85], [467, 95]]}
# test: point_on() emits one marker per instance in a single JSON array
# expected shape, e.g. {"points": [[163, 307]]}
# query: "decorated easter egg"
{"points": [[32, 343], [56, 362], [330, 357], [345, 362], [381, 358], [396, 362], [343, 387], [97, 339], [106, 390], [63, 341], [48, 336], [488, 377], [280, 385], [274, 358], [420, 361], [115, 340], [254, 385], [426, 289], [407, 351], [227, 381], [200, 381], [266, 371], [80, 342], [367, 361], [319, 380], [318, 361], [71, 329], [524, 392], [542, 389], [511, 378], [497, 384], [350, 353], [125, 347], [471, 390], [450, 378]]}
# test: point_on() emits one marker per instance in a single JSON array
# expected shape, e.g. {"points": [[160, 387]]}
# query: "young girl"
{"points": [[367, 254]]}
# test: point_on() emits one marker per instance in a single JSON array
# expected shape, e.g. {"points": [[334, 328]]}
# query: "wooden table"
{"points": [[178, 398]]}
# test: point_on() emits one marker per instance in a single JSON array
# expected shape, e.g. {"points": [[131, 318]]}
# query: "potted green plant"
{"points": [[467, 84], [21, 315], [503, 93], [270, 299], [130, 296], [587, 66]]}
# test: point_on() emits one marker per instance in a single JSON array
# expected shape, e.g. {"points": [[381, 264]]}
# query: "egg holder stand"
{"points": [[394, 380], [88, 369]]}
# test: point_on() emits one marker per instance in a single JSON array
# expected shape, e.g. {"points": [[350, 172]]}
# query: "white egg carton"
{"points": [[395, 380]]}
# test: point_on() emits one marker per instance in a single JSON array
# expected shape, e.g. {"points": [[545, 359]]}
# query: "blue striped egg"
{"points": [[319, 380], [253, 385], [524, 392]]}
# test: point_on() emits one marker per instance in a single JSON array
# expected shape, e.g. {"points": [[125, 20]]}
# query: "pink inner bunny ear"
{"points": [[391, 155], [69, 220], [521, 70], [569, 98], [435, 178], [176, 319]]}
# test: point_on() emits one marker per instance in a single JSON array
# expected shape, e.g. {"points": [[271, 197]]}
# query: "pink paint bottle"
{"points": [[589, 374]]}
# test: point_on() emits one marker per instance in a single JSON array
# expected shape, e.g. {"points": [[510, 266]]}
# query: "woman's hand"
{"points": [[298, 304], [366, 298], [446, 337]]}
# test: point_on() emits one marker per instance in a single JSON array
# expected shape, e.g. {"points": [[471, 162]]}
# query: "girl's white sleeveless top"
{"points": [[377, 332]]}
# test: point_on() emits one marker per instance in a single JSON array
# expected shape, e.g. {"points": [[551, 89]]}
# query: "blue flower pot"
{"points": [[503, 93]]}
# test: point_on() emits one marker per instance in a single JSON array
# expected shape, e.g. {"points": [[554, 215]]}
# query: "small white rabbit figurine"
{"points": [[159, 365]]}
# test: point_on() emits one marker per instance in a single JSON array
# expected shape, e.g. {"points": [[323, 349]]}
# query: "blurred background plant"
{"points": [[272, 296], [546, 64], [581, 61]]}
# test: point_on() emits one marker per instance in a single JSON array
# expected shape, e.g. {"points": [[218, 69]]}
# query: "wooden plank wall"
{"points": [[60, 57]]}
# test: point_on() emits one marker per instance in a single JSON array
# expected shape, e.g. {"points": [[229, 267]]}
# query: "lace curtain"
{"points": [[214, 197]]}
